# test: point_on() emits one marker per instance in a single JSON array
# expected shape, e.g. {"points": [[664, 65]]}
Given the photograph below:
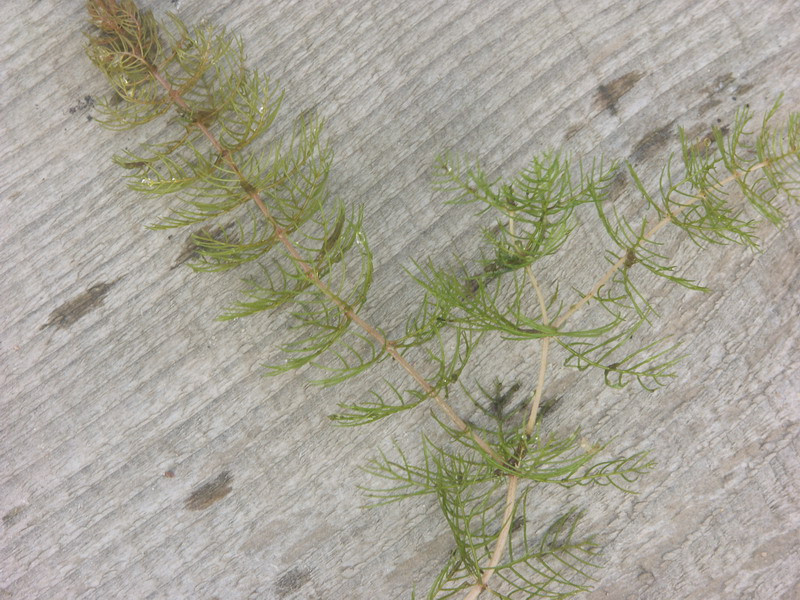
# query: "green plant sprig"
{"points": [[314, 259], [130, 54]]}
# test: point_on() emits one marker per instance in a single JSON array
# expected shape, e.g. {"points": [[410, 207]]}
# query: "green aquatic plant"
{"points": [[253, 196]]}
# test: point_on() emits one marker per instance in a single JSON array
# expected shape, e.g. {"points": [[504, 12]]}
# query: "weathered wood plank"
{"points": [[144, 457]]}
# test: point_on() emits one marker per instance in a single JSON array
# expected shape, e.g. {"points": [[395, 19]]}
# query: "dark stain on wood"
{"points": [[189, 250], [608, 94], [209, 493], [740, 90], [653, 143], [713, 90], [723, 84], [291, 581], [573, 130], [617, 185], [719, 85], [83, 104], [501, 398], [82, 304], [517, 524], [708, 105], [547, 406], [13, 515]]}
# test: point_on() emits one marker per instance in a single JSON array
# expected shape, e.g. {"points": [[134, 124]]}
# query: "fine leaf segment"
{"points": [[267, 202]]}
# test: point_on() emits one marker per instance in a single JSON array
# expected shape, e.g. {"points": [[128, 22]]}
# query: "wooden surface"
{"points": [[143, 455]]}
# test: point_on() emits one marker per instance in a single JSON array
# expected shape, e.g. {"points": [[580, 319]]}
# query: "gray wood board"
{"points": [[144, 456]]}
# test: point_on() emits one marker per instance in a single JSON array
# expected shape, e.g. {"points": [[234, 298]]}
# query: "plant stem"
{"points": [[537, 396], [499, 548], [311, 274], [513, 480]]}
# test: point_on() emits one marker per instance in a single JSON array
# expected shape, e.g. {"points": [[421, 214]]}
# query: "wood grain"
{"points": [[143, 455]]}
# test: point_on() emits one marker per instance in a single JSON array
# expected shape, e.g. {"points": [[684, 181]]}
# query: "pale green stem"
{"points": [[513, 480]]}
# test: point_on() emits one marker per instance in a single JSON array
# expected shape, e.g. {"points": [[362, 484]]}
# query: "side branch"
{"points": [[650, 234]]}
